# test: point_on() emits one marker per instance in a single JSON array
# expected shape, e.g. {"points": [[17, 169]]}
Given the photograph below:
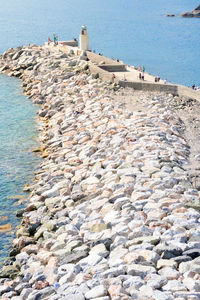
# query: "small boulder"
{"points": [[9, 272]]}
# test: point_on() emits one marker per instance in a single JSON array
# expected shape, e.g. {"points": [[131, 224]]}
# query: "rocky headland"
{"points": [[114, 209], [193, 14]]}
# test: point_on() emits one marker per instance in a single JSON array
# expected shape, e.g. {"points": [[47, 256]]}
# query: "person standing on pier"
{"points": [[49, 40], [55, 39], [113, 78]]}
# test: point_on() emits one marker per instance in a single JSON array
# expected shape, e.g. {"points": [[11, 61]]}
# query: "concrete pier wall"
{"points": [[104, 75], [168, 88], [114, 68], [188, 92], [96, 58], [70, 43]]}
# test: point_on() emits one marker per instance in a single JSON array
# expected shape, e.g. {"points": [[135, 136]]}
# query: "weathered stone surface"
{"points": [[5, 289], [141, 256], [99, 249], [99, 227], [98, 291], [41, 294], [174, 285], [167, 252], [193, 253], [161, 263], [169, 272], [145, 239], [140, 270], [9, 272]]}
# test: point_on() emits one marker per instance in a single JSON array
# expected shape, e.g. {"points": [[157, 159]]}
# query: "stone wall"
{"points": [[188, 92], [104, 75], [144, 86], [96, 58], [114, 68], [69, 43]]}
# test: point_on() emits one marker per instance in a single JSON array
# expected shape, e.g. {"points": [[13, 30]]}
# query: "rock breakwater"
{"points": [[110, 214], [193, 14]]}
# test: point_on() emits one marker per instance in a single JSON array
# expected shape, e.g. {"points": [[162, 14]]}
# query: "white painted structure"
{"points": [[83, 39]]}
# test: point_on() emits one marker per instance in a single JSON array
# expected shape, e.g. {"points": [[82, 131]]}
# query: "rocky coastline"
{"points": [[192, 14], [114, 209]]}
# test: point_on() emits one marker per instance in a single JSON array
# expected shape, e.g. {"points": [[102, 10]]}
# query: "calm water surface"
{"points": [[17, 137], [135, 31]]}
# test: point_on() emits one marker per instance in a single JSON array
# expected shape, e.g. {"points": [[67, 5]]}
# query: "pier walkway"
{"points": [[125, 76]]}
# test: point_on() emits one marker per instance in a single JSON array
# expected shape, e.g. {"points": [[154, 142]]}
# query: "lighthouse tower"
{"points": [[83, 38]]}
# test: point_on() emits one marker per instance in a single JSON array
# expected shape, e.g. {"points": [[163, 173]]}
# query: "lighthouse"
{"points": [[83, 38]]}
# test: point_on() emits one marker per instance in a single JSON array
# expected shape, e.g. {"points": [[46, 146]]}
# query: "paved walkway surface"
{"points": [[133, 75]]}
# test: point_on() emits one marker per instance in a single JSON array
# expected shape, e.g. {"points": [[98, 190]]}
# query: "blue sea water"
{"points": [[135, 31], [18, 136]]}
